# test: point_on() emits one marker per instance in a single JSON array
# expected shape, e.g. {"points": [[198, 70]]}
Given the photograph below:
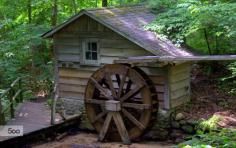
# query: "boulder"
{"points": [[188, 129], [175, 124], [176, 133], [182, 122], [156, 135], [179, 117]]}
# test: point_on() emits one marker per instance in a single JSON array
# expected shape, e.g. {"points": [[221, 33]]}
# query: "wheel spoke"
{"points": [[95, 101], [100, 115], [121, 127], [101, 89], [131, 93], [133, 119], [105, 127], [122, 84], [110, 83], [137, 106]]}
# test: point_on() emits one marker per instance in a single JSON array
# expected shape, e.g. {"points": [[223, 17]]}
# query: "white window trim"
{"points": [[83, 60]]}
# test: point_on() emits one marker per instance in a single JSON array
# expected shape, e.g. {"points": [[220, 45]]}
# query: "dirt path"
{"points": [[86, 140]]}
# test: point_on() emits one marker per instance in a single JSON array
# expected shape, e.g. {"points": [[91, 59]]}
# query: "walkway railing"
{"points": [[14, 94]]}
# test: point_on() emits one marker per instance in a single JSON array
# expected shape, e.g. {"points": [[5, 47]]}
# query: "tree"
{"points": [[29, 11], [104, 3], [206, 26], [54, 13], [74, 3]]}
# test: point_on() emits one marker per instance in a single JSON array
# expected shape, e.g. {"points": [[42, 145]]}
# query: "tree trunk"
{"points": [[104, 3], [29, 7], [54, 13], [96, 3], [217, 45], [207, 42], [74, 6]]}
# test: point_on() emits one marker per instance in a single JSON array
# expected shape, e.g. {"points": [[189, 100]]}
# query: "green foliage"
{"points": [[210, 136], [223, 139], [227, 83], [209, 125], [205, 25]]}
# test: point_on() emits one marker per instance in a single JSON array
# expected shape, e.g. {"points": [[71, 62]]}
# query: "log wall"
{"points": [[179, 84]]}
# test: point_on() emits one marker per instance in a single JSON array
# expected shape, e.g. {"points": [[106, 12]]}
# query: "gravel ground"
{"points": [[86, 140]]}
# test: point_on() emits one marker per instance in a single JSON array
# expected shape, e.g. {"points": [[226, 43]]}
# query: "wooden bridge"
{"points": [[33, 115]]}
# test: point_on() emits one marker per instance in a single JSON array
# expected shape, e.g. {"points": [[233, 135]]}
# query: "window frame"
{"points": [[85, 61]]}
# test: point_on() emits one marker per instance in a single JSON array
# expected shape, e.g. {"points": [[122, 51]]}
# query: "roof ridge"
{"points": [[114, 7]]}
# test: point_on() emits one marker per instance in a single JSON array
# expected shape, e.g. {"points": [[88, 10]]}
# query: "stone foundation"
{"points": [[171, 126], [70, 106], [168, 126]]}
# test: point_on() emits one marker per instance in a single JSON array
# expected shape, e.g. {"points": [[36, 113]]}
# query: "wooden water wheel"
{"points": [[120, 102]]}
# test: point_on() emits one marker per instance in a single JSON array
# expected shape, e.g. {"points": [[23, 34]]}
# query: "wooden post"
{"points": [[11, 94], [54, 101], [2, 118], [20, 88]]}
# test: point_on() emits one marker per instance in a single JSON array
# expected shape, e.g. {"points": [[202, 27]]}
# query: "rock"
{"points": [[156, 135], [179, 117], [176, 133], [179, 140], [182, 122], [188, 129], [175, 124], [192, 122]]}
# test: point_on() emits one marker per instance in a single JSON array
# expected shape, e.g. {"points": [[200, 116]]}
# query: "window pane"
{"points": [[89, 47], [94, 46], [94, 56], [88, 56]]}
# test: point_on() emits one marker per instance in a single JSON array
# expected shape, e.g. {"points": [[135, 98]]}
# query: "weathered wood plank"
{"points": [[72, 88], [71, 95], [174, 59], [158, 79], [179, 101], [108, 60], [73, 81], [113, 51], [182, 68], [180, 84], [179, 92], [126, 44], [69, 57], [179, 77], [64, 72], [67, 41], [154, 71], [67, 49]]}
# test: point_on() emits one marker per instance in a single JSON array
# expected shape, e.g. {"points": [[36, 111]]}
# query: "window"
{"points": [[90, 52]]}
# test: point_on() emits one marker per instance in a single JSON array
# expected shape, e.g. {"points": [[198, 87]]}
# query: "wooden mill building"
{"points": [[97, 37]]}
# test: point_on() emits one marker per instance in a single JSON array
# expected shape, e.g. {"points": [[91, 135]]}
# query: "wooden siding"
{"points": [[73, 77], [179, 84]]}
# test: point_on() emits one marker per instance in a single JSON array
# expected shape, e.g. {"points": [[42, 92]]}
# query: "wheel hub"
{"points": [[113, 106]]}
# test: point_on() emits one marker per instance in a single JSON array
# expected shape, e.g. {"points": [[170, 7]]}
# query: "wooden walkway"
{"points": [[32, 116]]}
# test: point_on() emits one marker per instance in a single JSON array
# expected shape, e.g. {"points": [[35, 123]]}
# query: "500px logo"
{"points": [[11, 130]]}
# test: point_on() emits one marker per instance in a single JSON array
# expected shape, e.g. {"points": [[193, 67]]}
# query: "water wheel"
{"points": [[120, 102]]}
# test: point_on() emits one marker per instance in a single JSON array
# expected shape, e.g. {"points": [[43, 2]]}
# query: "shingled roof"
{"points": [[129, 22]]}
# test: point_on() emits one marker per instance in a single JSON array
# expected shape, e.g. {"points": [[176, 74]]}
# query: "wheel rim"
{"points": [[131, 88]]}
